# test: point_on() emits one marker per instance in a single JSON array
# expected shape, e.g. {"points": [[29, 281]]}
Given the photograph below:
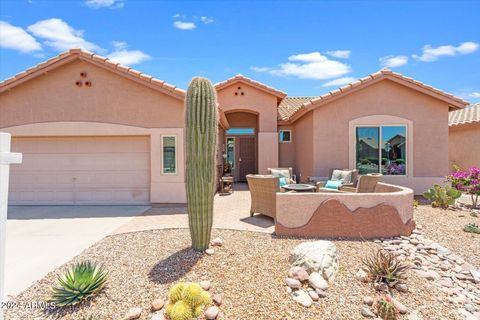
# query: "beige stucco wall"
{"points": [[295, 209], [286, 150], [111, 99], [303, 141], [52, 105], [262, 104], [464, 145], [428, 118]]}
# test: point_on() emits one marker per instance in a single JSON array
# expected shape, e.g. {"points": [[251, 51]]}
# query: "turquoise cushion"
{"points": [[283, 181], [333, 184]]}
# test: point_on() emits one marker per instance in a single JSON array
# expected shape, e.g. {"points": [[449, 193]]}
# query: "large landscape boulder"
{"points": [[316, 256]]}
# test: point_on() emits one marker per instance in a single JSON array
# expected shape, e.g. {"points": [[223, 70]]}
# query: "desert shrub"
{"points": [[79, 282], [186, 301], [442, 197], [467, 181], [472, 228], [383, 266], [386, 309]]}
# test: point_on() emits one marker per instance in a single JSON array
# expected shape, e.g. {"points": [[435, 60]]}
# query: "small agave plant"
{"points": [[79, 282], [382, 266]]}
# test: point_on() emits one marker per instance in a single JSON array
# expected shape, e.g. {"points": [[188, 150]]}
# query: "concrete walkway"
{"points": [[42, 238], [230, 212]]}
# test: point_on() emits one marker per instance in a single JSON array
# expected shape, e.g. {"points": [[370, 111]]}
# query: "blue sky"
{"points": [[300, 47]]}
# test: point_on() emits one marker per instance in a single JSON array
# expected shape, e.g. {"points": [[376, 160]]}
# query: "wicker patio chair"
{"points": [[291, 177], [263, 189], [366, 184]]}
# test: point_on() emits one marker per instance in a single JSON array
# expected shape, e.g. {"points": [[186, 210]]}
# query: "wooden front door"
{"points": [[246, 157]]}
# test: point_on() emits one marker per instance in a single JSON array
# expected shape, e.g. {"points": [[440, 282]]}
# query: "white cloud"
{"points": [[431, 54], [260, 69], [206, 20], [127, 57], [59, 35], [343, 54], [475, 95], [311, 65], [112, 4], [16, 38], [393, 61], [182, 25], [338, 82]]}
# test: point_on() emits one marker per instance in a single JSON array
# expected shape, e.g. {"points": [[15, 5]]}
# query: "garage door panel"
{"points": [[83, 170]]}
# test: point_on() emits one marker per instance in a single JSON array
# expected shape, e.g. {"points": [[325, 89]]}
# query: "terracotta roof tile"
{"points": [[468, 114], [290, 105], [253, 83], [385, 73], [86, 55]]}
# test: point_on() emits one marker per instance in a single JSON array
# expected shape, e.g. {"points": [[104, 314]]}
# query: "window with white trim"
{"points": [[169, 154], [381, 149], [285, 136]]}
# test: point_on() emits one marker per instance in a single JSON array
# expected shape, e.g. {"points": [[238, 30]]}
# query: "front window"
{"points": [[285, 135], [381, 149], [169, 145]]}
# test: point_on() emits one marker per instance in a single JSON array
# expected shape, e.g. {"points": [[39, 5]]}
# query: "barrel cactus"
{"points": [[186, 301], [386, 309], [201, 144]]}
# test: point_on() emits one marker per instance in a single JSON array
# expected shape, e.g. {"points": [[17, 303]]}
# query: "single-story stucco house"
{"points": [[464, 137], [93, 131]]}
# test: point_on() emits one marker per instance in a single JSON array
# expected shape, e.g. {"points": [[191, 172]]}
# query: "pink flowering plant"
{"points": [[467, 181]]}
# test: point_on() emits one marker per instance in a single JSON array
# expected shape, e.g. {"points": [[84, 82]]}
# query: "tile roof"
{"points": [[373, 78], [468, 114], [290, 105], [96, 59], [256, 84]]}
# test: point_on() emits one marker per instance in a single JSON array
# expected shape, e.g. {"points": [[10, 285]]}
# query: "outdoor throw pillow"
{"points": [[283, 181], [280, 173], [345, 175], [333, 184]]}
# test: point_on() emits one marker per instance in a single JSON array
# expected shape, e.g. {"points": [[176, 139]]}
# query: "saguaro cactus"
{"points": [[202, 129]]}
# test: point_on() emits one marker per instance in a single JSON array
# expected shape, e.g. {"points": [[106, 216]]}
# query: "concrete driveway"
{"points": [[42, 238]]}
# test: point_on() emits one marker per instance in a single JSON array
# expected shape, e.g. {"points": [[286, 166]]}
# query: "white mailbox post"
{"points": [[6, 158]]}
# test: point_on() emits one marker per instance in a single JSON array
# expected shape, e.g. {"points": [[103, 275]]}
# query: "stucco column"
{"points": [[267, 151]]}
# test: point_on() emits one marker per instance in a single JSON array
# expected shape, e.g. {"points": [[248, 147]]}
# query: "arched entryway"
{"points": [[240, 143]]}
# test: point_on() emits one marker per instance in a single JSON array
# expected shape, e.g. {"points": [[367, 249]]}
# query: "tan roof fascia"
{"points": [[369, 80], [245, 80], [97, 60]]}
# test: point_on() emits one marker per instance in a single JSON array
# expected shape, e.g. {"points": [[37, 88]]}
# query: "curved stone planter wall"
{"points": [[386, 213]]}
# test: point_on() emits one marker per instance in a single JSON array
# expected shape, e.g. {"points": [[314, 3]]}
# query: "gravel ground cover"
{"points": [[249, 271], [446, 227]]}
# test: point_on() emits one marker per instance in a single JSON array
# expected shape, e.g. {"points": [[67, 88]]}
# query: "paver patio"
{"points": [[230, 212]]}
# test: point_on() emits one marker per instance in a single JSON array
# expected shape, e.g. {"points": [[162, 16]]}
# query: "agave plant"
{"points": [[382, 266], [78, 282]]}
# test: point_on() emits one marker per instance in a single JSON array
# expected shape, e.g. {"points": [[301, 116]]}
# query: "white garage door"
{"points": [[81, 170]]}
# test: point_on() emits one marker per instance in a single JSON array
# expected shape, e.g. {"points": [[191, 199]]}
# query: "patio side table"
{"points": [[300, 187]]}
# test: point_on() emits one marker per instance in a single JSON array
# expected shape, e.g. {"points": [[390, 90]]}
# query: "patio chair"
{"points": [[350, 174], [366, 184], [283, 172], [263, 189]]}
